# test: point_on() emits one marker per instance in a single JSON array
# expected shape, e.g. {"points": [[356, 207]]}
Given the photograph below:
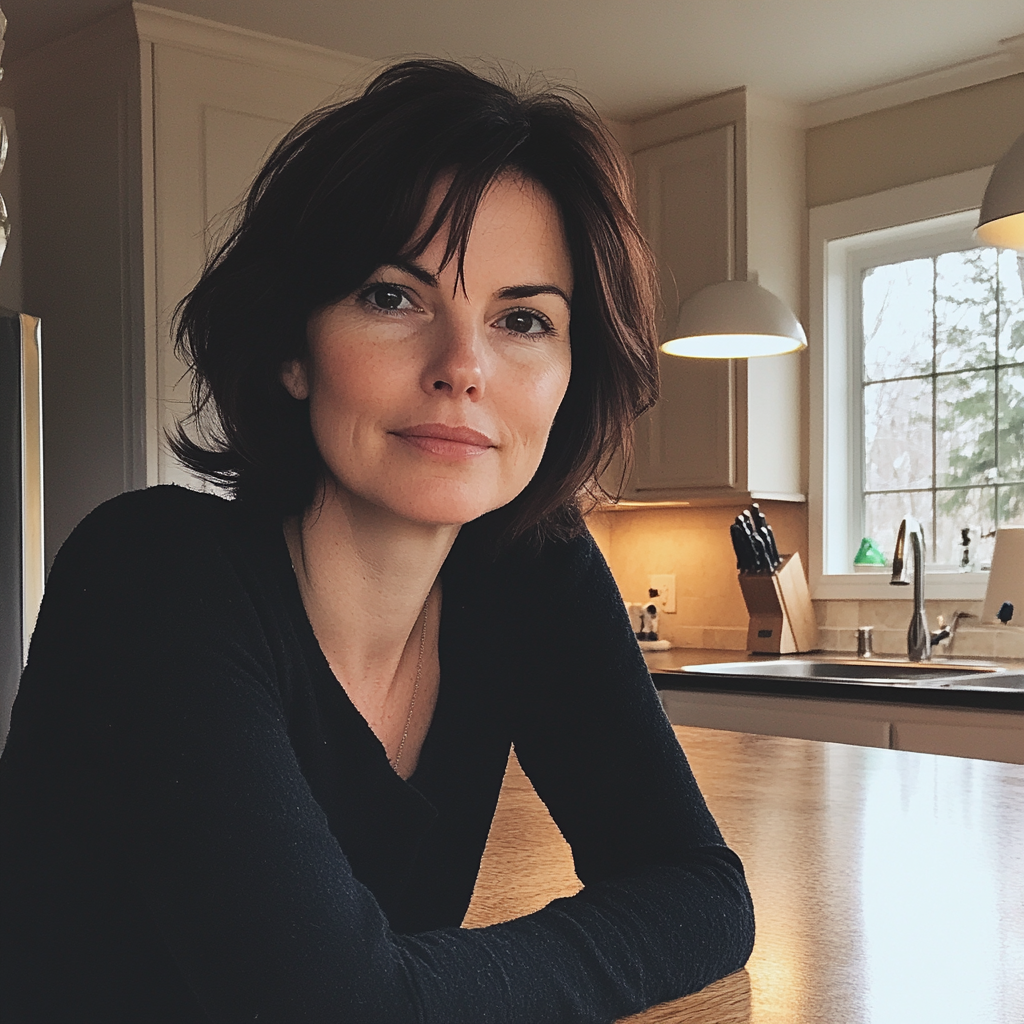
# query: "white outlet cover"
{"points": [[665, 585]]}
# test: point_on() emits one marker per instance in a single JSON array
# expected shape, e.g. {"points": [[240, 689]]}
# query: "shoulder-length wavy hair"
{"points": [[343, 194]]}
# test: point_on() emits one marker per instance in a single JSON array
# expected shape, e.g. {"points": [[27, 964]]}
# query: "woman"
{"points": [[259, 742]]}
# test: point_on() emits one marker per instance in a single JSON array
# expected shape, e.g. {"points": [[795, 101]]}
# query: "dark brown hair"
{"points": [[343, 194]]}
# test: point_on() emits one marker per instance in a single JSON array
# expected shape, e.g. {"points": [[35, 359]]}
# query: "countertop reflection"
{"points": [[888, 885]]}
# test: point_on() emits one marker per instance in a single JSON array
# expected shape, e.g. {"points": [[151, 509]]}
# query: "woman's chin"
{"points": [[443, 513], [430, 500], [438, 506]]}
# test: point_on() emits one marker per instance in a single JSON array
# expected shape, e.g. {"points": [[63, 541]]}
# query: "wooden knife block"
{"points": [[781, 614]]}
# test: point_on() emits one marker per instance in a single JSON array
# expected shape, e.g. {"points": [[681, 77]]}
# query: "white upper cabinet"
{"points": [[687, 208], [720, 193]]}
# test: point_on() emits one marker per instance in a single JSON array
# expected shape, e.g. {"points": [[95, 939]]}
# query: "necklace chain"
{"points": [[415, 689]]}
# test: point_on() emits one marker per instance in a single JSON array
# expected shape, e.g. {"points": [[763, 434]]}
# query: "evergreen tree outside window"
{"points": [[942, 389]]}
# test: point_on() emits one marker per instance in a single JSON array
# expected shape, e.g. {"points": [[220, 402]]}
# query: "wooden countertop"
{"points": [[664, 666], [887, 885]]}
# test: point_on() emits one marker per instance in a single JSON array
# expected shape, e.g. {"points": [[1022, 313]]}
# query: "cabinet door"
{"points": [[995, 736], [803, 718], [215, 120], [687, 207]]}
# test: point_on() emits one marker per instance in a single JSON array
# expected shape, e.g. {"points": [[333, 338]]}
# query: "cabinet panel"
{"points": [[963, 738], [959, 732], [235, 144], [688, 440], [687, 207], [832, 722]]}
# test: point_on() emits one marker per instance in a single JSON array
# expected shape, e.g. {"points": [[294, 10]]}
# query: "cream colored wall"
{"points": [[694, 544], [944, 134]]}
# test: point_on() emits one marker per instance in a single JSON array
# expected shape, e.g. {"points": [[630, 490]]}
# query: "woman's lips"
{"points": [[451, 442]]}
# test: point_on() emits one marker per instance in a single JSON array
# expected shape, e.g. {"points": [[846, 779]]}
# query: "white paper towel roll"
{"points": [[1006, 580]]}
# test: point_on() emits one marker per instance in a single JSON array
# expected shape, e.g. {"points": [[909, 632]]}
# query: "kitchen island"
{"points": [[966, 721], [887, 885]]}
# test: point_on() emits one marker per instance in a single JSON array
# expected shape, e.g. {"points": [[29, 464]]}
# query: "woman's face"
{"points": [[431, 400]]}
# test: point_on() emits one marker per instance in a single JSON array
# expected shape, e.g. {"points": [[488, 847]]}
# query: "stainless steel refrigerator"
{"points": [[21, 499]]}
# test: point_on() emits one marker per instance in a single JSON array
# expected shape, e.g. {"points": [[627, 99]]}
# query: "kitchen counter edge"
{"points": [[664, 667]]}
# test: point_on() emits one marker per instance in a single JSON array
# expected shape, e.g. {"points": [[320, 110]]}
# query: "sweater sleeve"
{"points": [[153, 658], [665, 900]]}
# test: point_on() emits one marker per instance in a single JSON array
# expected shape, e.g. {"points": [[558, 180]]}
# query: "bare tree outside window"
{"points": [[943, 397]]}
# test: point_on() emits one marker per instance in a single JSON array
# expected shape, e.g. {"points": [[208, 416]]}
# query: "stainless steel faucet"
{"points": [[919, 640]]}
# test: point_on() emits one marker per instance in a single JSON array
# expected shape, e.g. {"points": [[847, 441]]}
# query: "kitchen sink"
{"points": [[875, 671]]}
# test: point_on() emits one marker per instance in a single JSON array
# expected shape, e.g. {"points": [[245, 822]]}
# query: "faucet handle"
{"points": [[951, 630]]}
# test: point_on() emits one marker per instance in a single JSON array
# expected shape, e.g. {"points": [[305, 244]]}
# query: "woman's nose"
{"points": [[458, 358]]}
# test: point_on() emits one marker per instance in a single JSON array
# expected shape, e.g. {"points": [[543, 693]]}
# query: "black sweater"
{"points": [[197, 825]]}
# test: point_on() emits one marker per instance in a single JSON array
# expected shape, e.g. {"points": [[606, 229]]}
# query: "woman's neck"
{"points": [[365, 576]]}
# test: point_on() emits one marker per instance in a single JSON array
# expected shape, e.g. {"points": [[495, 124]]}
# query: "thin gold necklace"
{"points": [[415, 688]]}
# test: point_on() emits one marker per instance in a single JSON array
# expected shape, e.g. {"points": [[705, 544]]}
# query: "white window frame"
{"points": [[838, 250]]}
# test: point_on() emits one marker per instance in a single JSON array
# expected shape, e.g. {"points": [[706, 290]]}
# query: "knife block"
{"points": [[781, 614]]}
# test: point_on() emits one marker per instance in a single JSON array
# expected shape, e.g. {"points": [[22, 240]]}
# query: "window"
{"points": [[917, 384], [941, 359]]}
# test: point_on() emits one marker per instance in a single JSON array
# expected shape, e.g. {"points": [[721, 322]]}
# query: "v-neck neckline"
{"points": [[333, 690]]}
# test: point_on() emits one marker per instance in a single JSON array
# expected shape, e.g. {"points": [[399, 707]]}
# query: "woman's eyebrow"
{"points": [[414, 270], [521, 291], [526, 291]]}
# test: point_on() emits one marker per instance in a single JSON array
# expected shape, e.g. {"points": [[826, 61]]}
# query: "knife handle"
{"points": [[760, 522], [766, 532], [761, 553], [749, 551], [757, 543], [738, 544]]}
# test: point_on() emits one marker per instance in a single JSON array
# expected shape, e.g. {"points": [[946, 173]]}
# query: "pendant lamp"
{"points": [[735, 320], [1002, 210]]}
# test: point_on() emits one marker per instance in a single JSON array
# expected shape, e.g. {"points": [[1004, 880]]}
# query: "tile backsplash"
{"points": [[838, 622]]}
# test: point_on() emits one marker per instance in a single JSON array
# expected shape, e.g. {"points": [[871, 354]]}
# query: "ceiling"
{"points": [[631, 57]]}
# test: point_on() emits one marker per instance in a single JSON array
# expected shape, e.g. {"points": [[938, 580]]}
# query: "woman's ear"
{"points": [[293, 377]]}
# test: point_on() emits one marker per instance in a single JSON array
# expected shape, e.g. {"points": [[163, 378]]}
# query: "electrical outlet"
{"points": [[665, 585]]}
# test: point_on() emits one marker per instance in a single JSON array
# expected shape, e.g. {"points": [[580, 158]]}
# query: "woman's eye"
{"points": [[520, 321], [387, 296]]}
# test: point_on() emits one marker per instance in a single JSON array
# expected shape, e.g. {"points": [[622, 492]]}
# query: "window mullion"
{"points": [[935, 401], [995, 400]]}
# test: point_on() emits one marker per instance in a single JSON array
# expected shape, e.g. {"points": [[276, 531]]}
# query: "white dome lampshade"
{"points": [[735, 320], [1002, 210]]}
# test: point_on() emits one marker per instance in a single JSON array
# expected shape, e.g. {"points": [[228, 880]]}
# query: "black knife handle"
{"points": [[761, 551], [750, 552], [766, 532], [757, 516], [739, 545], [757, 543]]}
